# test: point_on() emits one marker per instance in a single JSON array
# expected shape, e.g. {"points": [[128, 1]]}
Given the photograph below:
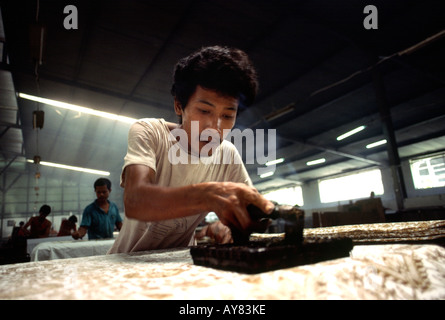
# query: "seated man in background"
{"points": [[40, 226], [100, 217], [68, 226]]}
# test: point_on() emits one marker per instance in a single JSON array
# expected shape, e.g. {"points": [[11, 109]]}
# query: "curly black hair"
{"points": [[102, 182], [228, 71]]}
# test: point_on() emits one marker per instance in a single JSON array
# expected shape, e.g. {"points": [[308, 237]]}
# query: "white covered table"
{"points": [[32, 243], [70, 249]]}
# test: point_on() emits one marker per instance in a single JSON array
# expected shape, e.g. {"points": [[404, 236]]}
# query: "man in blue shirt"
{"points": [[100, 217]]}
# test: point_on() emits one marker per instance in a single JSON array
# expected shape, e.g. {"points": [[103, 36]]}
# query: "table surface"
{"points": [[376, 271]]}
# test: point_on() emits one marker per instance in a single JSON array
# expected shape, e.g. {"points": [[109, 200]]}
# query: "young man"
{"points": [[40, 226], [100, 217], [165, 195]]}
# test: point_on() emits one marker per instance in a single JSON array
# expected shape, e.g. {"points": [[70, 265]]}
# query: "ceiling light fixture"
{"points": [[277, 161], [64, 166], [267, 174], [350, 133], [74, 107], [314, 162], [375, 144]]}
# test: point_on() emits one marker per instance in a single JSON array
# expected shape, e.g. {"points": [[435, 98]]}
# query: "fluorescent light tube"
{"points": [[267, 174], [74, 107], [375, 144], [277, 161], [314, 162], [350, 133], [63, 166]]}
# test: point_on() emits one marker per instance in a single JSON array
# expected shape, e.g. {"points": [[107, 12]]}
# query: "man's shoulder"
{"points": [[150, 124], [91, 207], [149, 129]]}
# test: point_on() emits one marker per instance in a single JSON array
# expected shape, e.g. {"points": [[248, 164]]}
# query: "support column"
{"points": [[391, 145]]}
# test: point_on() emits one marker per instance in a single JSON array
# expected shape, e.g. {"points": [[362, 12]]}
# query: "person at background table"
{"points": [[19, 231], [18, 238], [68, 226], [165, 201], [40, 226], [100, 217]]}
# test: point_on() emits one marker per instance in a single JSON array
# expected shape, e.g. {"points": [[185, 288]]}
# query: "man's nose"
{"points": [[215, 124], [212, 129]]}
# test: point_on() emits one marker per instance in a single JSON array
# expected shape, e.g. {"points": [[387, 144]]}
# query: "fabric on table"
{"points": [[385, 232], [376, 233]]}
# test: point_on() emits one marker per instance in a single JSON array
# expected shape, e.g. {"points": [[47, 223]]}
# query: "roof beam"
{"points": [[334, 151], [369, 153], [179, 24], [89, 87]]}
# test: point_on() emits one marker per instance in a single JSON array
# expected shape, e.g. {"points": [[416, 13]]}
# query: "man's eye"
{"points": [[204, 111], [229, 116]]}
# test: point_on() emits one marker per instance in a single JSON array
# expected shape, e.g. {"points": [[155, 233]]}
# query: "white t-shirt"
{"points": [[149, 142]]}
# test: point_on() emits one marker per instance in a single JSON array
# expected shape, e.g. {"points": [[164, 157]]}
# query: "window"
{"points": [[353, 186], [290, 196], [428, 172]]}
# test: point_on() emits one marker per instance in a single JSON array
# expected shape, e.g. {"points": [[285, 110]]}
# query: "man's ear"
{"points": [[178, 107]]}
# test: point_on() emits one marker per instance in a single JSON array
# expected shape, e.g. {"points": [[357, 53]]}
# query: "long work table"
{"points": [[385, 263]]}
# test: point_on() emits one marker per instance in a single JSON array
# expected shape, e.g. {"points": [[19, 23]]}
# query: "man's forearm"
{"points": [[80, 233], [146, 201], [154, 203]]}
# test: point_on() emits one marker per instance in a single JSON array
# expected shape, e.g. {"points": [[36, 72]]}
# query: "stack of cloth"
{"points": [[378, 233]]}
